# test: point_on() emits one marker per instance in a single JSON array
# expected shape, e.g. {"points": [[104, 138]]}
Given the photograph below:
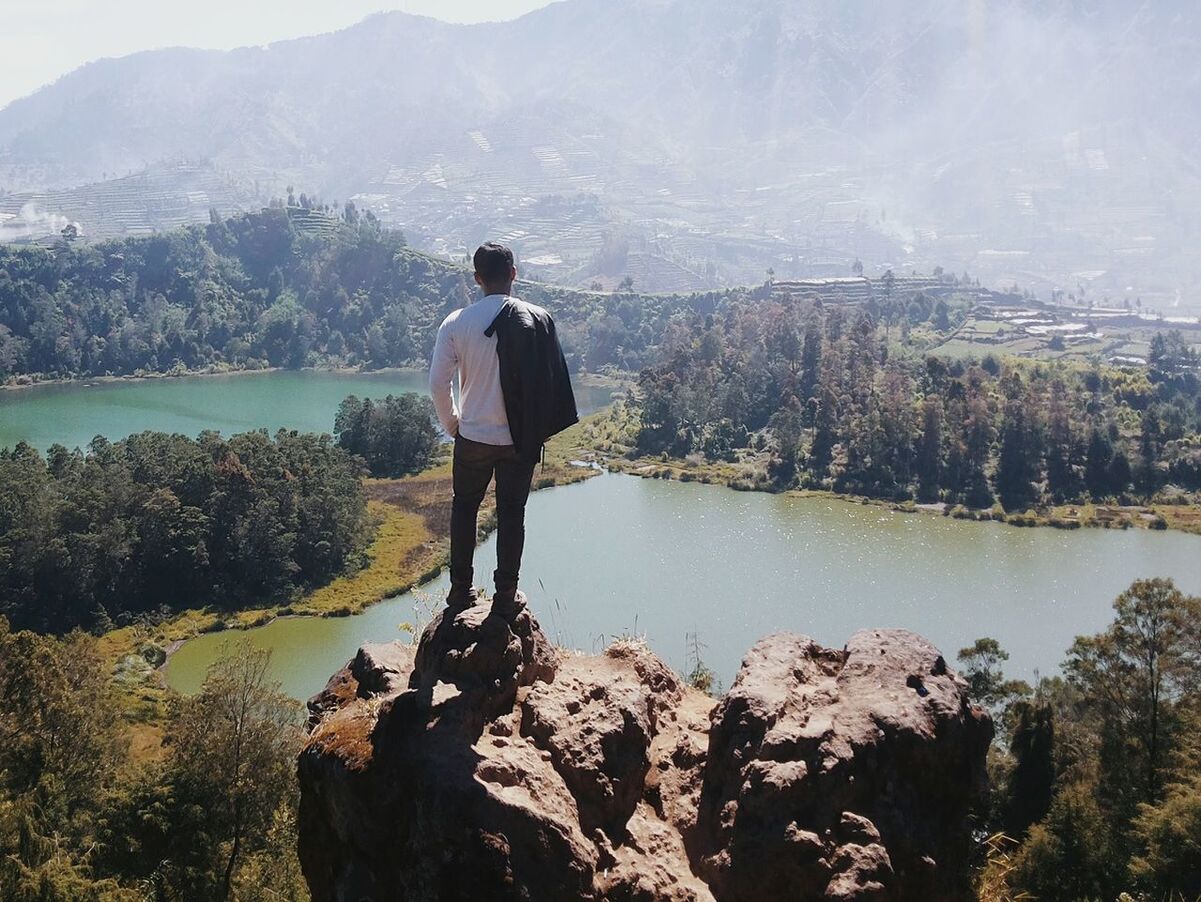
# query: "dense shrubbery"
{"points": [[164, 521], [847, 410], [213, 819], [396, 436], [253, 291], [1097, 775]]}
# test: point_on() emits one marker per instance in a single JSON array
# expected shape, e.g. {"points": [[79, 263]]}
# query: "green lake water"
{"points": [[622, 555], [74, 413]]}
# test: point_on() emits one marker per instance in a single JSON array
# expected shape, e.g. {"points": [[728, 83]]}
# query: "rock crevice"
{"points": [[486, 764]]}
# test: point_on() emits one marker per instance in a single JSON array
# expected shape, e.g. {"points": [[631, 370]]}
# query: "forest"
{"points": [[264, 290], [85, 817], [839, 406], [157, 523]]}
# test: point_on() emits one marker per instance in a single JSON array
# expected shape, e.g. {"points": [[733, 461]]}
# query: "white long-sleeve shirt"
{"points": [[463, 347]]}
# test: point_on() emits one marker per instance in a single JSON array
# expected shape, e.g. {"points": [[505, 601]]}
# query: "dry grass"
{"points": [[402, 551], [992, 882], [346, 734], [146, 743], [1186, 518]]}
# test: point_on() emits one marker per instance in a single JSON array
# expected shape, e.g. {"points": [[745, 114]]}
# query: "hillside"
{"points": [[698, 144], [300, 286], [282, 287]]}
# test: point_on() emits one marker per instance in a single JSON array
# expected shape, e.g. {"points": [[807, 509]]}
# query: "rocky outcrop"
{"points": [[490, 765]]}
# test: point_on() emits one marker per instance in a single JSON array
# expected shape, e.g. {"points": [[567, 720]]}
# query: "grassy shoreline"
{"points": [[1179, 517], [607, 439]]}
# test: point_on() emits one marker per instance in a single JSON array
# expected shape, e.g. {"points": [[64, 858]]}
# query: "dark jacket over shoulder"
{"points": [[539, 401]]}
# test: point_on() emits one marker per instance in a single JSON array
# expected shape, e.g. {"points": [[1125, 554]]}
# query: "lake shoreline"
{"points": [[132, 378], [615, 561], [240, 621], [202, 621], [1161, 517], [12, 385]]}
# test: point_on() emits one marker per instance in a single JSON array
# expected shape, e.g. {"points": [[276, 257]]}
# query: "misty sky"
{"points": [[43, 39]]}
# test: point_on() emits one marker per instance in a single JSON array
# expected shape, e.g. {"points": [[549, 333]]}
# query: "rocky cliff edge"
{"points": [[488, 764]]}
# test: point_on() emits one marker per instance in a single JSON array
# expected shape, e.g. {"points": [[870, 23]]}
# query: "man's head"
{"points": [[494, 269]]}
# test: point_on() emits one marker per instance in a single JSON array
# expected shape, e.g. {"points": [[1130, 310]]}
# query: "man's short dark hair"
{"points": [[493, 263]]}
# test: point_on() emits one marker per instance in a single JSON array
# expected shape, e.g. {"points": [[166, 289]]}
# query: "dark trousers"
{"points": [[474, 464]]}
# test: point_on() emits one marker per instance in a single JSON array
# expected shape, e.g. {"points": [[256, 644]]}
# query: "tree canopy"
{"points": [[159, 521]]}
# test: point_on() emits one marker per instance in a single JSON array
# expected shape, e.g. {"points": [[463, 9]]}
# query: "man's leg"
{"points": [[513, 478], [471, 473]]}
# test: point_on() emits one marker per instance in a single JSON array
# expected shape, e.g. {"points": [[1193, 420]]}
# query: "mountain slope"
{"points": [[936, 129]]}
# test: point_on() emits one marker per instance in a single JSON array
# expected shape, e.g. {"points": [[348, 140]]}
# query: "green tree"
{"points": [[233, 749], [1031, 783], [1167, 833], [929, 450], [60, 742], [1017, 468], [1067, 855], [395, 436], [1097, 475], [982, 663], [1135, 676]]}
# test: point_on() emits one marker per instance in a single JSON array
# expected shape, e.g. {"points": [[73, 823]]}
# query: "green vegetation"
{"points": [[1097, 775], [159, 523], [80, 818], [833, 405], [260, 290], [399, 557], [395, 436], [113, 788]]}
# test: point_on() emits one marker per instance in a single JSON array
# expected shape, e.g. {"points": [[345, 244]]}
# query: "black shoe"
{"points": [[508, 604], [460, 598]]}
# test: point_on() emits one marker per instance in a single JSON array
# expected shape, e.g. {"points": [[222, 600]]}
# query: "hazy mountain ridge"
{"points": [[910, 134]]}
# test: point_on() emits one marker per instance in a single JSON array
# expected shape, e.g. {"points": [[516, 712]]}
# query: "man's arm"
{"points": [[442, 373]]}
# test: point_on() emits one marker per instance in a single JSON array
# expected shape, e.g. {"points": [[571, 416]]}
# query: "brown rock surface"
{"points": [[489, 765]]}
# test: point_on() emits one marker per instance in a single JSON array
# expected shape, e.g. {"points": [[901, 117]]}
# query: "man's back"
{"points": [[462, 345]]}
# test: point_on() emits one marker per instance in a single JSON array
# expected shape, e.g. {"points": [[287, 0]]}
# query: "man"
{"points": [[514, 394]]}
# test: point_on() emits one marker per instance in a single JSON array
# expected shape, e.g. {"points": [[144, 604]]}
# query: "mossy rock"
{"points": [[154, 655]]}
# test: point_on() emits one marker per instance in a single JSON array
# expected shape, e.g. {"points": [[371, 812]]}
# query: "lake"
{"points": [[75, 413], [618, 555]]}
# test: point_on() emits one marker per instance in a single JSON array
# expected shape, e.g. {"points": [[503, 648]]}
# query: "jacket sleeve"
{"points": [[531, 391]]}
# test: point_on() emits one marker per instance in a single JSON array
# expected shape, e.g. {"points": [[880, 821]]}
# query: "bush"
{"points": [[395, 436], [1170, 863]]}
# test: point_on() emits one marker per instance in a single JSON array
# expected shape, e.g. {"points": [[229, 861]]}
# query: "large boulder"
{"points": [[842, 774], [490, 765]]}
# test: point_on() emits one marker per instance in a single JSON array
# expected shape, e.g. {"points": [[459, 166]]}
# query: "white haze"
{"points": [[1051, 143], [41, 40]]}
